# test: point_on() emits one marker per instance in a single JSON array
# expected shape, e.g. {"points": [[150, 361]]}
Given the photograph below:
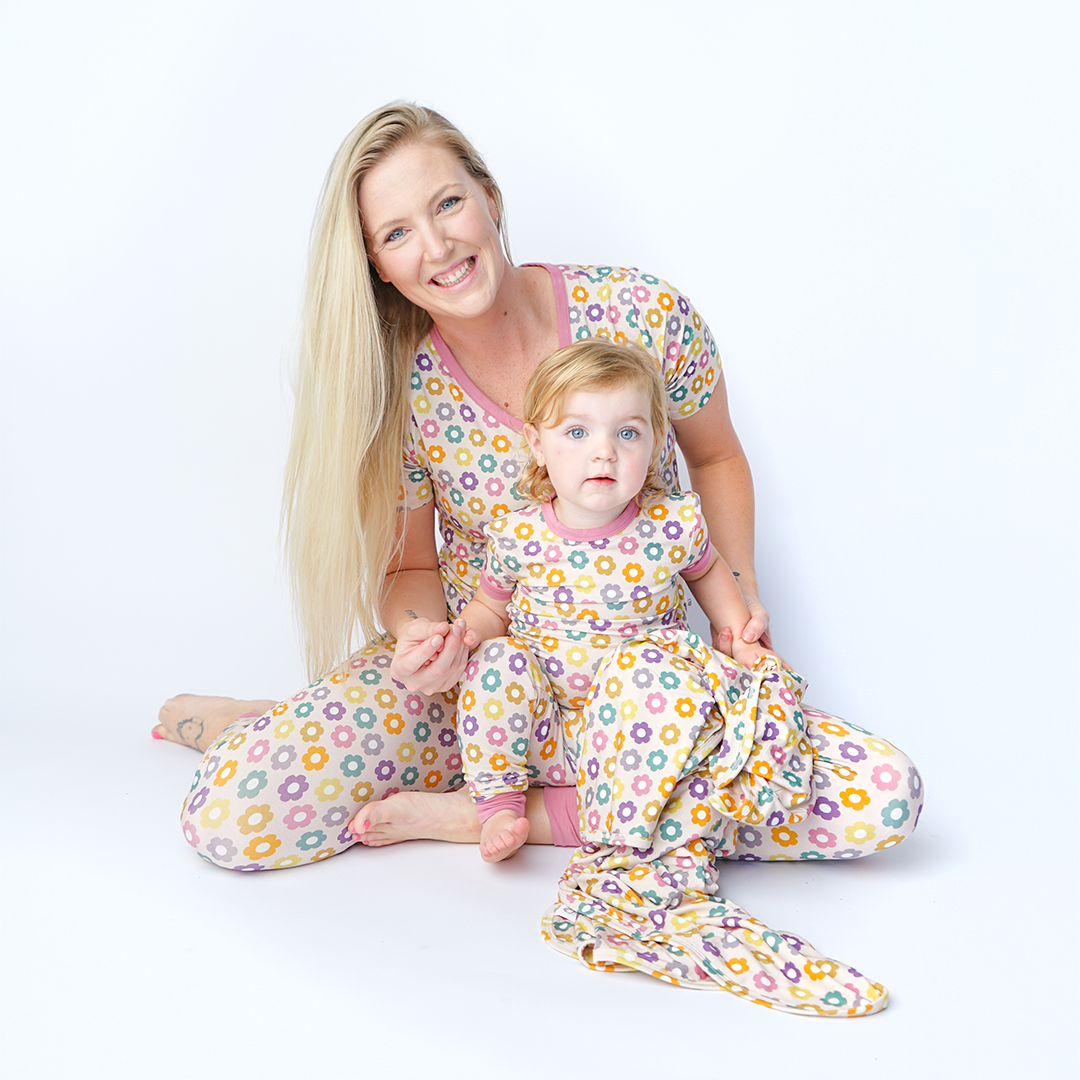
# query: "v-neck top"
{"points": [[466, 452]]}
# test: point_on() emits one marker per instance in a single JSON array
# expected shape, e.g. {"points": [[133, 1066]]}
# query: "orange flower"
{"points": [[225, 773], [262, 847], [633, 572], [685, 706], [783, 836], [833, 729], [625, 661], [856, 798], [393, 723], [315, 758], [436, 453], [700, 815], [665, 301], [433, 779], [498, 762]]}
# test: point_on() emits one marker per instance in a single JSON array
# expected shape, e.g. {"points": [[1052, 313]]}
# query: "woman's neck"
{"points": [[500, 349]]}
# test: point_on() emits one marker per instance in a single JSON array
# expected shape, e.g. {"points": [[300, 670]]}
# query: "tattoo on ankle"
{"points": [[412, 614], [192, 739]]}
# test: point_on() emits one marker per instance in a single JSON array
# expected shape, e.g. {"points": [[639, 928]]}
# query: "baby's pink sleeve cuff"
{"points": [[703, 562], [493, 588]]}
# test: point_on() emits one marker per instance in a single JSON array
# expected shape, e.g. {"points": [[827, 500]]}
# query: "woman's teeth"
{"points": [[460, 274]]}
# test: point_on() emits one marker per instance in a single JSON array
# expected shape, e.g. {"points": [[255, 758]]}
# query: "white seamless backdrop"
{"points": [[873, 205]]}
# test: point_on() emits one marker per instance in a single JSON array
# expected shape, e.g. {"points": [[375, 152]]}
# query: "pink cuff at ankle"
{"points": [[511, 800], [561, 806]]}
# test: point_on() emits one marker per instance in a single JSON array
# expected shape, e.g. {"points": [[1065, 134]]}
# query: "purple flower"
{"points": [[641, 732], [384, 770], [826, 808], [447, 737], [594, 313], [626, 811], [672, 530], [293, 788], [469, 481], [770, 732], [852, 752], [554, 666], [334, 710], [198, 800], [791, 972]]}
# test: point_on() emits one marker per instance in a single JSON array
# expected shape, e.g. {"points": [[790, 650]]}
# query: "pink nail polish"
{"points": [[156, 735], [367, 825]]}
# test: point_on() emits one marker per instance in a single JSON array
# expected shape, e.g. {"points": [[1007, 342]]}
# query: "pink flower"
{"points": [[599, 741], [822, 838], [656, 703], [885, 778], [190, 835], [414, 704], [343, 736], [299, 817], [258, 751]]}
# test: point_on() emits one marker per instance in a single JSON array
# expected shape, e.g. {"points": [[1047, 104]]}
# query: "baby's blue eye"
{"points": [[627, 434], [576, 433]]}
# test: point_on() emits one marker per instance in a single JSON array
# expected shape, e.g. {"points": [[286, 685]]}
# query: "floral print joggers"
{"points": [[641, 892]]}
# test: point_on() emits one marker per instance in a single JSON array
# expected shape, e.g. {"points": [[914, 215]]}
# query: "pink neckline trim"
{"points": [[558, 285], [613, 528]]}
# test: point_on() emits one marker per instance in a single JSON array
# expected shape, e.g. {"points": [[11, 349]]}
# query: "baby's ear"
{"points": [[532, 439]]}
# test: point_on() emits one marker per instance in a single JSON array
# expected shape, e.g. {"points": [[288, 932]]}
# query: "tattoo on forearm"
{"points": [[735, 572], [412, 614], [189, 735]]}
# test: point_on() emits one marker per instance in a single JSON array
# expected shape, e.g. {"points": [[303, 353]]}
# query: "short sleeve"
{"points": [[496, 578], [696, 541], [691, 362], [415, 490]]}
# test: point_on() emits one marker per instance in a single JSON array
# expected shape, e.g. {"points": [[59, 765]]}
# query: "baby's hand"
{"points": [[748, 653]]}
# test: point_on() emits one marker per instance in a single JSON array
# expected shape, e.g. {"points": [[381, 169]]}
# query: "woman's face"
{"points": [[430, 231]]}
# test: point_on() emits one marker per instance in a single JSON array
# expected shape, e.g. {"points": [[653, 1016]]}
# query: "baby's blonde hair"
{"points": [[592, 364]]}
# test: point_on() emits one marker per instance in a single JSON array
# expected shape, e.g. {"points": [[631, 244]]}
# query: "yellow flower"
{"points": [[254, 818], [889, 841], [651, 811], [860, 832], [329, 789], [406, 751], [311, 731], [361, 792], [215, 813], [493, 708], [325, 853], [355, 695], [237, 741], [880, 746], [286, 861], [669, 733]]}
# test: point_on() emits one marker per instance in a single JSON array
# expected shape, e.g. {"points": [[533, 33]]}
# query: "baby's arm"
{"points": [[718, 593], [486, 616]]}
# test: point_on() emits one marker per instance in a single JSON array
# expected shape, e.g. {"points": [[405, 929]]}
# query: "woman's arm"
{"points": [[430, 651], [720, 475]]}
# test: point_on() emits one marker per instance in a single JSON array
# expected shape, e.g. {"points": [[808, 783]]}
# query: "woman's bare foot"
{"points": [[501, 835], [418, 815], [197, 721]]}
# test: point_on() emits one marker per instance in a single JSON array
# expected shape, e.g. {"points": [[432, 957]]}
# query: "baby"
{"points": [[597, 560]]}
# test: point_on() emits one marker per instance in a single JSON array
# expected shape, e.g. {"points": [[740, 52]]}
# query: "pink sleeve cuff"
{"points": [[703, 562], [493, 588]]}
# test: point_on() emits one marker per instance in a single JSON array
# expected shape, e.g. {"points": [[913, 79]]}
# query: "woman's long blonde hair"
{"points": [[344, 470], [592, 364]]}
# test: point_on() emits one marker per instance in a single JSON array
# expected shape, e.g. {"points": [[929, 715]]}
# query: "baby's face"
{"points": [[597, 455]]}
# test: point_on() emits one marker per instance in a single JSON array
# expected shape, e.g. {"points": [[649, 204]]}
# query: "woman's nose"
{"points": [[436, 245]]}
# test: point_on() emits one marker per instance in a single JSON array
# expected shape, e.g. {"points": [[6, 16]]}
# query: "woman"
{"points": [[418, 329]]}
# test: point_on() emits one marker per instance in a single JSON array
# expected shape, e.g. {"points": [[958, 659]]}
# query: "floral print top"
{"points": [[466, 452]]}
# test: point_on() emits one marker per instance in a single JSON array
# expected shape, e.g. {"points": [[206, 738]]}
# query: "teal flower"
{"points": [[364, 718], [834, 997], [671, 830], [656, 760], [491, 680], [896, 813], [353, 765], [410, 776], [422, 732], [603, 794], [669, 680], [304, 709], [454, 434], [370, 676], [252, 784], [653, 552], [311, 840], [486, 463], [578, 559], [607, 713]]}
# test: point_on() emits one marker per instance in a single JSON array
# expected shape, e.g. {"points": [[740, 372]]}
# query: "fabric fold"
{"points": [[669, 766]]}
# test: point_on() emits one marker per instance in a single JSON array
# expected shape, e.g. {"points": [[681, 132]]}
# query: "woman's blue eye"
{"points": [[394, 234], [450, 202]]}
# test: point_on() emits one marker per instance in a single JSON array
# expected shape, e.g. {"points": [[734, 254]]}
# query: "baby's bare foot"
{"points": [[197, 721], [418, 815], [501, 835]]}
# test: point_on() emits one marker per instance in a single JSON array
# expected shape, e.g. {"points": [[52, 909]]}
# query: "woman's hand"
{"points": [[757, 629], [430, 657]]}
